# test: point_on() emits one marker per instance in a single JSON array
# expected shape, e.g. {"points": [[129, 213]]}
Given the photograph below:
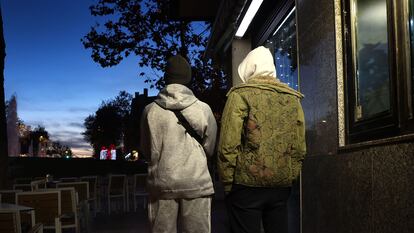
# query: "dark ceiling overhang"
{"points": [[225, 26], [193, 10], [230, 15]]}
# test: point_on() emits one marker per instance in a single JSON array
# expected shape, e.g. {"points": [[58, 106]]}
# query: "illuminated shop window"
{"points": [[283, 44]]}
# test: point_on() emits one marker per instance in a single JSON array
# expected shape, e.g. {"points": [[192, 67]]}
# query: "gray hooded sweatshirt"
{"points": [[178, 165]]}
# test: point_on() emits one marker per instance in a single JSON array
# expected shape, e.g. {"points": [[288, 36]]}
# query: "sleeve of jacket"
{"points": [[144, 143], [300, 148], [229, 147], [210, 133]]}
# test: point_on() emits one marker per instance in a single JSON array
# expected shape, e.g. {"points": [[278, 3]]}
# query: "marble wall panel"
{"points": [[317, 70], [367, 190], [392, 179], [337, 194]]}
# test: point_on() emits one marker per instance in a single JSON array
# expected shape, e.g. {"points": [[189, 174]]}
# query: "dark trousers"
{"points": [[250, 207]]}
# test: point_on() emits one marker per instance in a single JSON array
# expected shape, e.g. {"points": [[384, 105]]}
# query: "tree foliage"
{"points": [[108, 125], [38, 135], [142, 28]]}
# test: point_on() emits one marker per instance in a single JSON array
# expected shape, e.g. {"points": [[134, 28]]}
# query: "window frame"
{"points": [[381, 125]]}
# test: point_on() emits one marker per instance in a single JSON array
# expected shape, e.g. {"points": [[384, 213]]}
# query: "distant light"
{"points": [[284, 21], [247, 19]]}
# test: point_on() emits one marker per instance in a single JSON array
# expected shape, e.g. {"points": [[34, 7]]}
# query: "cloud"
{"points": [[82, 153], [54, 124], [82, 109], [34, 124], [65, 135], [76, 125]]}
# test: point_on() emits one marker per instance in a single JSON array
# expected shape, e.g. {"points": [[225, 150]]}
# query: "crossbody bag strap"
{"points": [[187, 126]]}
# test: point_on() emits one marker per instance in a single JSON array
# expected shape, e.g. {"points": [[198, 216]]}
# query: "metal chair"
{"points": [[9, 196], [139, 189], [82, 189], [69, 202], [47, 205], [93, 193], [23, 187], [69, 179], [22, 180], [38, 184], [117, 189]]}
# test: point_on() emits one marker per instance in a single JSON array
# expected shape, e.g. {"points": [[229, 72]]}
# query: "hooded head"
{"points": [[177, 71], [258, 62]]}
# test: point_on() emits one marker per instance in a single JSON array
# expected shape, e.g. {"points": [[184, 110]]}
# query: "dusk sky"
{"points": [[56, 82]]}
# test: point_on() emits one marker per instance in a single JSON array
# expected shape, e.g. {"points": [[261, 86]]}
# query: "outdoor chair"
{"points": [[22, 180], [23, 187], [38, 184], [93, 193], [117, 187], [139, 189], [82, 189], [9, 196], [10, 222], [47, 206], [69, 207], [69, 179]]}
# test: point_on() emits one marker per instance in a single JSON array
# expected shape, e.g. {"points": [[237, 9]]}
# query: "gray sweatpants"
{"points": [[194, 215]]}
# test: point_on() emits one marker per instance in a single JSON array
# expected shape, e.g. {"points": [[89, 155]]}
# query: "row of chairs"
{"points": [[119, 188], [67, 205], [60, 207], [55, 209], [116, 188]]}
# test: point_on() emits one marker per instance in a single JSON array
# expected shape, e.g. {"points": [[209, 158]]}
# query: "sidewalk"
{"points": [[136, 222]]}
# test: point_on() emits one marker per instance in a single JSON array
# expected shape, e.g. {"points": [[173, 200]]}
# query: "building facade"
{"points": [[352, 59]]}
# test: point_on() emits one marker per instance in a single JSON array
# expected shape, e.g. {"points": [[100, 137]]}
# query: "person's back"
{"points": [[177, 168], [270, 137], [179, 183], [261, 148]]}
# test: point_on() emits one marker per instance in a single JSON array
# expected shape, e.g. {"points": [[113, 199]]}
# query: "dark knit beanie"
{"points": [[177, 70]]}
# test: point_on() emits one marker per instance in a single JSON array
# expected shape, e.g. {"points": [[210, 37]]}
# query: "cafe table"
{"points": [[6, 207]]}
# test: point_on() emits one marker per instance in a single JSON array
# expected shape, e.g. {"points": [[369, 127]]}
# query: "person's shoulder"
{"points": [[149, 107], [200, 104]]}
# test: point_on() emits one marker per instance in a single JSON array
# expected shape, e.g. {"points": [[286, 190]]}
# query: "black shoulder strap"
{"points": [[188, 127]]}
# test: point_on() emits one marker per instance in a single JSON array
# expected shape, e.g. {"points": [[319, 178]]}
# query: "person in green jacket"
{"points": [[261, 146]]}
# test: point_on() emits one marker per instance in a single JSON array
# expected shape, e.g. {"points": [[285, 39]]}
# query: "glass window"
{"points": [[283, 45], [371, 57]]}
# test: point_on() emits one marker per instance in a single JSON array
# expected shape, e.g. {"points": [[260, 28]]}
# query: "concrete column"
{"points": [[239, 49]]}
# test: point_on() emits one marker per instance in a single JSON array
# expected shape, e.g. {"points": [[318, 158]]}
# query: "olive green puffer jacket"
{"points": [[262, 139]]}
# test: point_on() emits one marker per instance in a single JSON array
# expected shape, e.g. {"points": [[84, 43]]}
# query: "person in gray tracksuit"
{"points": [[179, 183]]}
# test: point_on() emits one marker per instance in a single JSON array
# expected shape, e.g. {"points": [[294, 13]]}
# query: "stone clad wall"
{"points": [[370, 189], [317, 72]]}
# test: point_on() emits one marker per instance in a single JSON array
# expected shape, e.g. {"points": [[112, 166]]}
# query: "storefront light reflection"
{"points": [[283, 45]]}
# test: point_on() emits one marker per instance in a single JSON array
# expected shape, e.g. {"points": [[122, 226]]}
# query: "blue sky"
{"points": [[56, 82]]}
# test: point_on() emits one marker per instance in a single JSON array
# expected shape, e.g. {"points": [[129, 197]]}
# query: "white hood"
{"points": [[258, 62], [175, 97]]}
